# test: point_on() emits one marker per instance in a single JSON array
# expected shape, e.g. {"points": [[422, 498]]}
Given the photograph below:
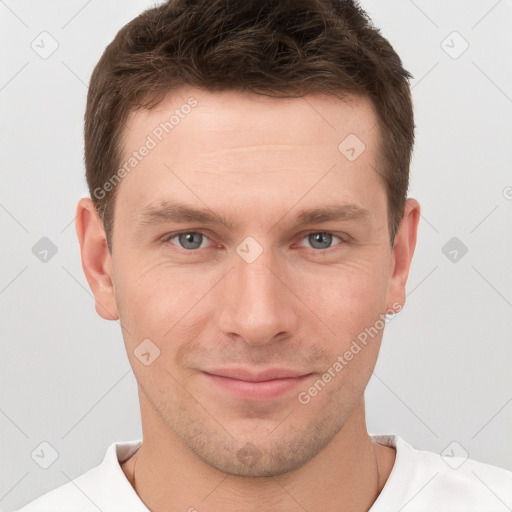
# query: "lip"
{"points": [[264, 385]]}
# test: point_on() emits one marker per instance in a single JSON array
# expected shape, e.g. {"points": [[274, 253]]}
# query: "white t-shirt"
{"points": [[420, 481]]}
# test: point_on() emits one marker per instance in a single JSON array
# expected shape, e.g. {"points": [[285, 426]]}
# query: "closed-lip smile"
{"points": [[256, 384]]}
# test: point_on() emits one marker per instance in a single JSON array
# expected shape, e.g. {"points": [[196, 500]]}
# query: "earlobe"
{"points": [[403, 250], [96, 258]]}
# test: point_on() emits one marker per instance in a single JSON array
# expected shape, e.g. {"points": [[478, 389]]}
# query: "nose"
{"points": [[257, 305]]}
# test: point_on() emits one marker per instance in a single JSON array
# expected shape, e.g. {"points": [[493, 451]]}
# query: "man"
{"points": [[249, 226]]}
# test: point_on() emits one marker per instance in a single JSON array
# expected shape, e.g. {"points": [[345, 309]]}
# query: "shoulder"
{"points": [[104, 487], [422, 480], [70, 496], [465, 480]]}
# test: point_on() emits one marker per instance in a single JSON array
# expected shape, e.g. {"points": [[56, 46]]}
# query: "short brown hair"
{"points": [[279, 48]]}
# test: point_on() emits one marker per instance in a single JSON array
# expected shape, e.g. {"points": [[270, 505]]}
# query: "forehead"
{"points": [[222, 121], [233, 149]]}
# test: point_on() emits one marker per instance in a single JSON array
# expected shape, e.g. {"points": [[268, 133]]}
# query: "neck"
{"points": [[348, 474]]}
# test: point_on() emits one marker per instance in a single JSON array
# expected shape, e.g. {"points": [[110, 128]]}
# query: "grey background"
{"points": [[444, 370]]}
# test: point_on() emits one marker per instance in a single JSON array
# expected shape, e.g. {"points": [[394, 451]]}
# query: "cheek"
{"points": [[347, 297], [152, 292], [153, 314], [163, 304], [351, 302]]}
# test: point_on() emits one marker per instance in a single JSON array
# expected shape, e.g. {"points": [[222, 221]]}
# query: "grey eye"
{"points": [[320, 240], [191, 240]]}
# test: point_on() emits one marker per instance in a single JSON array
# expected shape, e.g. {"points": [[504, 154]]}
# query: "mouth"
{"points": [[253, 385]]}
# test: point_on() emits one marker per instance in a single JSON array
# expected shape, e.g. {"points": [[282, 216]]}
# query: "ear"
{"points": [[96, 258], [403, 250]]}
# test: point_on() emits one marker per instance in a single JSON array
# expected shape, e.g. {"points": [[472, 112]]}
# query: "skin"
{"points": [[257, 161]]}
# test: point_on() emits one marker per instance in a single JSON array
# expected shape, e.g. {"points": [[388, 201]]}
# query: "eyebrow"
{"points": [[182, 213]]}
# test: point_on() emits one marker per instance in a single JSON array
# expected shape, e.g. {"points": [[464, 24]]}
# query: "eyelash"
{"points": [[341, 236]]}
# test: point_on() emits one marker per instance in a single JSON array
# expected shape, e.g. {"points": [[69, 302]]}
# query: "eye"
{"points": [[189, 240], [321, 240], [194, 240]]}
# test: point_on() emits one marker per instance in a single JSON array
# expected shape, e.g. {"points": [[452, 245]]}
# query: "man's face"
{"points": [[262, 294]]}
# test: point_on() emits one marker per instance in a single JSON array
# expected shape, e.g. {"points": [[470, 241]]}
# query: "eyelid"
{"points": [[169, 236], [343, 237]]}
